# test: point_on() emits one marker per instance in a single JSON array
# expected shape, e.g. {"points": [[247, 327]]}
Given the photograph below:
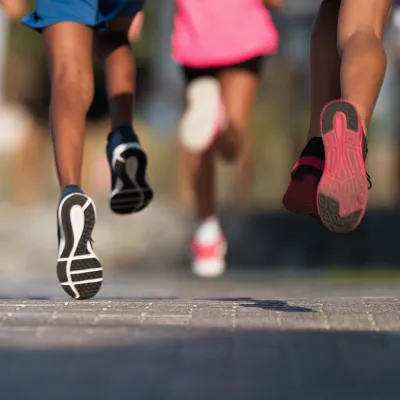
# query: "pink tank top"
{"points": [[210, 33]]}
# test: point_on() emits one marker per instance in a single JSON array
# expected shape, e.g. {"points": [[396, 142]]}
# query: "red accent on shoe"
{"points": [[301, 196], [209, 251], [310, 161]]}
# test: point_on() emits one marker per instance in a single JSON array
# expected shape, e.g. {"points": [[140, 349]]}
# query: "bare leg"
{"points": [[69, 53], [239, 89], [347, 36], [130, 190], [201, 179], [361, 27], [324, 63], [114, 50]]}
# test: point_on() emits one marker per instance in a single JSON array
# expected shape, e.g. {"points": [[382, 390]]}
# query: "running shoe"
{"points": [[130, 189], [301, 195], [204, 118], [79, 270], [209, 258], [342, 194]]}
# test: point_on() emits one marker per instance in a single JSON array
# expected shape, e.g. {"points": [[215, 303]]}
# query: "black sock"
{"points": [[69, 189], [125, 134], [314, 148]]}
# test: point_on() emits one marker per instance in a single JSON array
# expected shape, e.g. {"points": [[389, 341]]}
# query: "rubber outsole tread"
{"points": [[67, 263], [136, 195], [343, 189]]}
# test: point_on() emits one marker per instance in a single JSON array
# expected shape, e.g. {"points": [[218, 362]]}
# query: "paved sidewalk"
{"points": [[280, 339]]}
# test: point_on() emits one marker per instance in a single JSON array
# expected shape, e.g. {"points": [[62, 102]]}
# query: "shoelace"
{"points": [[369, 181], [365, 151]]}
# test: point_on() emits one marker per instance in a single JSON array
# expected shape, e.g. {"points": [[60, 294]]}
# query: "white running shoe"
{"points": [[208, 250], [204, 117]]}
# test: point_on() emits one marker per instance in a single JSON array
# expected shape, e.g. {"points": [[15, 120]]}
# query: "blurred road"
{"points": [[247, 337]]}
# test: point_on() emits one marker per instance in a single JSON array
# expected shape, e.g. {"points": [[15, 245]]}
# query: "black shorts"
{"points": [[253, 65]]}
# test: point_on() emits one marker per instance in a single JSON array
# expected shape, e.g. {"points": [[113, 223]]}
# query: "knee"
{"points": [[74, 81], [357, 34], [236, 140], [238, 125]]}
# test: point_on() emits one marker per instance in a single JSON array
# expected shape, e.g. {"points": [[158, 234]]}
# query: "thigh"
{"points": [[239, 87], [50, 12], [68, 46], [367, 15]]}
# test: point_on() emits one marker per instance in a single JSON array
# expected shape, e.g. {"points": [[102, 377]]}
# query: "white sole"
{"points": [[209, 268], [131, 192], [78, 268], [201, 121]]}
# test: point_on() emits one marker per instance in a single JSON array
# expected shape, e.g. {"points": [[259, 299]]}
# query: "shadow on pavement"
{"points": [[272, 305]]}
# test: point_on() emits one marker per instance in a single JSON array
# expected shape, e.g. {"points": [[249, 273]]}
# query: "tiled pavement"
{"points": [[262, 340]]}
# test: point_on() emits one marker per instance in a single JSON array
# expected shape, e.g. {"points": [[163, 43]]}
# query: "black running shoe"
{"points": [[130, 189], [79, 270]]}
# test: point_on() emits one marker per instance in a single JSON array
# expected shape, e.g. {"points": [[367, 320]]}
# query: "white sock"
{"points": [[208, 230]]}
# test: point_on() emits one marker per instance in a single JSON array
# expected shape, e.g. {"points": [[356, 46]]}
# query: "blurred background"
{"points": [[260, 233]]}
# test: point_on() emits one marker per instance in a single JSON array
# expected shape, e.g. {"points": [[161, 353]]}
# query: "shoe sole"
{"points": [[131, 192], [342, 194], [199, 126], [301, 196], [209, 269], [79, 270]]}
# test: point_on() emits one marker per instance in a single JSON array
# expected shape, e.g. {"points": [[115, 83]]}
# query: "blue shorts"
{"points": [[93, 13]]}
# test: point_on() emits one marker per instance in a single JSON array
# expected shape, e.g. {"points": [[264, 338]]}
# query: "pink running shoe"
{"points": [[342, 193], [209, 259]]}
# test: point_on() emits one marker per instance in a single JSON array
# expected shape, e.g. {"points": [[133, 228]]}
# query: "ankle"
{"points": [[365, 129], [314, 148]]}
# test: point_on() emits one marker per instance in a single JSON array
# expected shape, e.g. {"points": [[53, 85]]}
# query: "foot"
{"points": [[130, 189], [208, 250], [342, 193], [301, 195], [204, 118], [79, 270]]}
